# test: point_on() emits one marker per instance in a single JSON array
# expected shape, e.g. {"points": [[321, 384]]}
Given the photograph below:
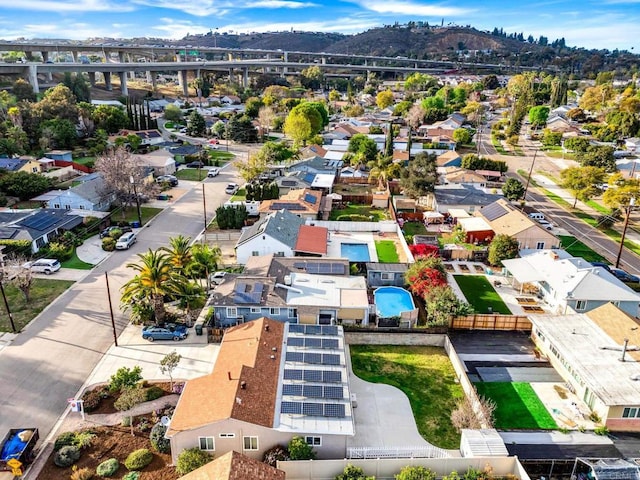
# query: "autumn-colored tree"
{"points": [[384, 99]]}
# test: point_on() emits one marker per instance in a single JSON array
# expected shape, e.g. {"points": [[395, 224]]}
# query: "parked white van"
{"points": [[536, 216]]}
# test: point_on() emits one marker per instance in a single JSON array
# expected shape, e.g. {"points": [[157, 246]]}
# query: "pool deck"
{"points": [[336, 239]]}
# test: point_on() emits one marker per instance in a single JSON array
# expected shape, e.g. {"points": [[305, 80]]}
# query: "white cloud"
{"points": [[74, 31], [67, 6], [400, 7], [342, 25], [219, 8], [176, 29]]}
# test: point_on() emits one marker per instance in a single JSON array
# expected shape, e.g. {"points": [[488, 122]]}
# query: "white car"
{"points": [[43, 265], [125, 241], [231, 189], [213, 172], [217, 278]]}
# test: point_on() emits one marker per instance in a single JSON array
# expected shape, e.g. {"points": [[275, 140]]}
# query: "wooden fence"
{"points": [[491, 322], [76, 166]]}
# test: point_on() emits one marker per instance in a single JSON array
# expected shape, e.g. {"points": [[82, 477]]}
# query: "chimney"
{"points": [[243, 385], [229, 375]]}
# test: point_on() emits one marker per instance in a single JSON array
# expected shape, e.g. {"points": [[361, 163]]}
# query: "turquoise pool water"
{"points": [[355, 252], [392, 301]]}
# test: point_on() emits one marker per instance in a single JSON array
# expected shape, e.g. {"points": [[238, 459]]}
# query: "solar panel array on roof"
{"points": [[294, 357], [335, 410], [296, 328], [310, 198], [290, 374], [314, 358], [321, 330], [317, 376], [321, 268], [312, 391], [294, 389], [289, 183], [493, 211], [330, 359], [333, 392], [287, 206], [248, 293], [313, 375], [309, 177], [40, 221], [296, 341]]}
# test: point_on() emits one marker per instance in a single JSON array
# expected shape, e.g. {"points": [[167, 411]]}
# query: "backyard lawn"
{"points": [[359, 213], [43, 292], [517, 406], [579, 249], [414, 228], [193, 174], [481, 294], [425, 375], [386, 250], [75, 262]]}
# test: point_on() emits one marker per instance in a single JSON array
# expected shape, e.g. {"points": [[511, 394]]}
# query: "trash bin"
{"points": [[135, 224], [198, 329]]}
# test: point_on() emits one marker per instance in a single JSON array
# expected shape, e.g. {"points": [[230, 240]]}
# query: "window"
{"points": [[227, 435], [255, 253], [67, 207], [274, 311], [81, 207], [278, 254], [293, 312], [540, 246], [256, 310], [232, 312], [631, 413], [386, 276], [56, 205], [581, 305], [207, 443], [250, 443], [314, 441]]}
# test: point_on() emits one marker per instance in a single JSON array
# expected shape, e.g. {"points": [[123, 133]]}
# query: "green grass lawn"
{"points": [[425, 375], [579, 249], [364, 211], [221, 154], [517, 406], [89, 161], [193, 174], [240, 196], [131, 214], [75, 262], [43, 292], [386, 250], [414, 228], [481, 294]]}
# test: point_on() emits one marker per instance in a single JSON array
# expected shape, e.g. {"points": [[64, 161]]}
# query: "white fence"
{"points": [[396, 452], [335, 226]]}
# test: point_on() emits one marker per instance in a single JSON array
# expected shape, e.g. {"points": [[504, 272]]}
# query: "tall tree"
{"points": [[419, 178], [204, 261], [384, 99], [583, 182], [179, 251]]}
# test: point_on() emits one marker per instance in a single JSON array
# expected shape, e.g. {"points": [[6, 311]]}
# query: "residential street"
{"points": [[51, 359]]}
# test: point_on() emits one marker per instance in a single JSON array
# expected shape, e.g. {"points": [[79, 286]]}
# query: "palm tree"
{"points": [[179, 252], [156, 278], [191, 298], [204, 260]]}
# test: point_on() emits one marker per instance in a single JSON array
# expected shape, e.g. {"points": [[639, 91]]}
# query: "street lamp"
{"points": [[628, 208], [135, 193]]}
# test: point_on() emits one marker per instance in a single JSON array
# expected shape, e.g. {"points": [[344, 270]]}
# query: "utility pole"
{"points": [[526, 188], [113, 322], [204, 213], [6, 306], [624, 230]]}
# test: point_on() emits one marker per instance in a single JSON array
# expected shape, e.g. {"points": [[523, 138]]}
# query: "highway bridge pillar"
{"points": [[33, 78], [182, 82], [123, 83], [285, 57], [74, 56], [107, 81], [122, 56], [324, 60], [132, 74], [150, 78], [28, 55], [245, 77], [45, 56], [92, 78]]}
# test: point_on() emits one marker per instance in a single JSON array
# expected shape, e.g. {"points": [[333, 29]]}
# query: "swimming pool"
{"points": [[392, 301], [355, 252]]}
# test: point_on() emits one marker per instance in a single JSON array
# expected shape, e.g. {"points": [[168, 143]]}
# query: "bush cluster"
{"points": [[353, 217], [131, 476], [156, 437], [191, 459], [108, 244], [81, 473], [275, 454], [138, 459], [66, 456], [108, 468], [153, 393]]}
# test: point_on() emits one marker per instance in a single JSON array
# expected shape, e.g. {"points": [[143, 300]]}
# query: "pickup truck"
{"points": [[18, 444]]}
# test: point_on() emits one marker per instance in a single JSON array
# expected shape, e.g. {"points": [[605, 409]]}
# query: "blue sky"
{"points": [[592, 24]]}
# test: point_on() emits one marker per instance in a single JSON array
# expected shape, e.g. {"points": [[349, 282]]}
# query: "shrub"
{"points": [[66, 456], [126, 421], [601, 430], [594, 417], [138, 459], [190, 459], [108, 244], [59, 250], [144, 425], [116, 233], [81, 473], [153, 393], [63, 440], [275, 454], [353, 217], [299, 449], [131, 476], [84, 439], [156, 437], [125, 377], [91, 400], [108, 468]]}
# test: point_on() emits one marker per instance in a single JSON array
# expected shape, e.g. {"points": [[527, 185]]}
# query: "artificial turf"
{"points": [[386, 250], [481, 294]]}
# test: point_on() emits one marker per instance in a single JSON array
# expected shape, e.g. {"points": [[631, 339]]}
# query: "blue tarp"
{"points": [[13, 447]]}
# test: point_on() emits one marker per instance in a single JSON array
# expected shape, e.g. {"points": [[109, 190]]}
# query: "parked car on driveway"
{"points": [[125, 241], [231, 188], [168, 332], [43, 265], [107, 231], [624, 276], [213, 172], [217, 278], [196, 164], [170, 179]]}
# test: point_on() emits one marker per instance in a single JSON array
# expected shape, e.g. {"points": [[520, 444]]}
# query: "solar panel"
{"points": [[334, 410], [314, 358], [330, 343], [310, 198], [292, 389], [312, 409], [296, 342], [40, 221], [295, 357], [314, 376], [287, 206], [309, 177], [290, 374], [313, 342], [331, 376], [289, 183], [493, 211], [247, 293], [329, 330], [293, 408], [312, 268], [313, 330], [329, 359], [296, 328], [312, 391], [333, 392], [338, 268]]}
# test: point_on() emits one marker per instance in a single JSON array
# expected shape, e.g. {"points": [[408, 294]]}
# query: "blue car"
{"points": [[624, 276], [168, 332]]}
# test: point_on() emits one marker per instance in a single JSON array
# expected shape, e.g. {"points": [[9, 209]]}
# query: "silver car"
{"points": [[44, 265]]}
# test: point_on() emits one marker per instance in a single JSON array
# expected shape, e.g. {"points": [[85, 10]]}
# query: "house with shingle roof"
{"points": [[305, 203], [235, 466], [28, 165], [38, 226], [271, 381], [90, 194]]}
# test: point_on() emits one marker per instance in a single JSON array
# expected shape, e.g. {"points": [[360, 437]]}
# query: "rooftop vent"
{"points": [[243, 385]]}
